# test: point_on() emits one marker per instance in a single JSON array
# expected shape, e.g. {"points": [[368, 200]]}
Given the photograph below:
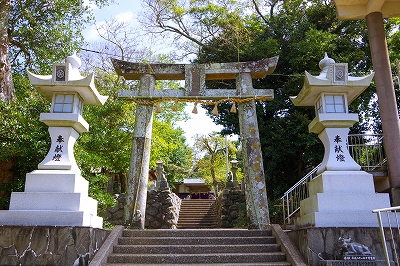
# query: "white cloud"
{"points": [[91, 33], [125, 16]]}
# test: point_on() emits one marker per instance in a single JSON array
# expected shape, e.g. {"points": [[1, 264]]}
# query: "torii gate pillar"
{"points": [[256, 193], [135, 207]]}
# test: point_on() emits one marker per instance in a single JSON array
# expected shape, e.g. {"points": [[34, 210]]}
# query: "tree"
{"points": [[36, 33], [104, 151], [299, 32], [6, 86], [211, 158], [24, 140]]}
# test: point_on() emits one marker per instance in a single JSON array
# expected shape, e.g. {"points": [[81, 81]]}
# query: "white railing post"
{"points": [[389, 212]]}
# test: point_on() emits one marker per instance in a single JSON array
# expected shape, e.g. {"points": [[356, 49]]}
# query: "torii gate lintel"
{"points": [[195, 76]]}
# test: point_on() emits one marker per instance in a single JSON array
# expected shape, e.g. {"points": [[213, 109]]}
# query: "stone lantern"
{"points": [[234, 169], [341, 195], [330, 93], [56, 194], [162, 183]]}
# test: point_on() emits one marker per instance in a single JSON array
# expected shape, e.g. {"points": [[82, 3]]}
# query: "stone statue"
{"points": [[229, 180], [349, 247]]}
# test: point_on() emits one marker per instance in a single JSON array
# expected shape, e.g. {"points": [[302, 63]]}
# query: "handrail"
{"points": [[367, 150], [291, 198], [390, 213]]}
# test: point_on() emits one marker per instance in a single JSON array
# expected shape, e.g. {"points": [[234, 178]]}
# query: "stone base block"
{"points": [[340, 202], [55, 181], [341, 199], [52, 201], [49, 218], [337, 219], [343, 182]]}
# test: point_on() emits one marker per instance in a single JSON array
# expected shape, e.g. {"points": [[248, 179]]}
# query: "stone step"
{"points": [[196, 233], [276, 263], [197, 218], [191, 247], [206, 207], [197, 214], [196, 240], [183, 214], [196, 226], [196, 258], [191, 209], [195, 249], [210, 212]]}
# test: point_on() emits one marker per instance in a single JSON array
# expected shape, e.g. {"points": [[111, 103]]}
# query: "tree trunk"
{"points": [[6, 84]]}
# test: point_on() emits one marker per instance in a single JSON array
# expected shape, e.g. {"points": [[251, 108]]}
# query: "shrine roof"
{"points": [[84, 87], [315, 85]]}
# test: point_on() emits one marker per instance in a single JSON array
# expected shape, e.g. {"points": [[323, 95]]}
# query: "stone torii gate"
{"points": [[195, 76]]}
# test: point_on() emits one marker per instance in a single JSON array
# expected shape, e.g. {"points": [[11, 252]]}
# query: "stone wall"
{"points": [[162, 209], [115, 215], [323, 241], [227, 206], [42, 245]]}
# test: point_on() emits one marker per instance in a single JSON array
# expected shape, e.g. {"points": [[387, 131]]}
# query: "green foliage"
{"points": [[98, 191], [107, 144], [42, 32], [275, 211], [242, 220], [299, 32], [211, 159], [24, 140], [168, 145]]}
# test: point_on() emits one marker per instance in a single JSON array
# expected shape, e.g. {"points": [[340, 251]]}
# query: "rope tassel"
{"points": [[194, 111], [233, 108], [215, 110], [158, 108], [175, 107]]}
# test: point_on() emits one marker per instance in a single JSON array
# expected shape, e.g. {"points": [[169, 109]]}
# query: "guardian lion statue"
{"points": [[349, 247]]}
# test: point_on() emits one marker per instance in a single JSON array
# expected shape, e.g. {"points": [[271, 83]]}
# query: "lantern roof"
{"points": [[333, 78], [66, 78], [358, 9]]}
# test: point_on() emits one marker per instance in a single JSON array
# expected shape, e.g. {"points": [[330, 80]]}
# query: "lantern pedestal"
{"points": [[341, 199], [53, 197]]}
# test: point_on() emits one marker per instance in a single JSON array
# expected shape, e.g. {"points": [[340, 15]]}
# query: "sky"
{"points": [[129, 11]]}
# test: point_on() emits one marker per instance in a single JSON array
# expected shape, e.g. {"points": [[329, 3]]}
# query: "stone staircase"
{"points": [[197, 247], [197, 213]]}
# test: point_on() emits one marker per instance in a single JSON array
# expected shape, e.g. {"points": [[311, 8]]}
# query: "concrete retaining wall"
{"points": [[324, 241], [41, 245]]}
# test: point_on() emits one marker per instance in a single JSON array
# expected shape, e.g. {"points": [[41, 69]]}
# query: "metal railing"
{"points": [[291, 199], [366, 149], [392, 222]]}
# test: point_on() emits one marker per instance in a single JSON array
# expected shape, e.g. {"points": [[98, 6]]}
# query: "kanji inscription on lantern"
{"points": [[58, 149], [340, 157]]}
